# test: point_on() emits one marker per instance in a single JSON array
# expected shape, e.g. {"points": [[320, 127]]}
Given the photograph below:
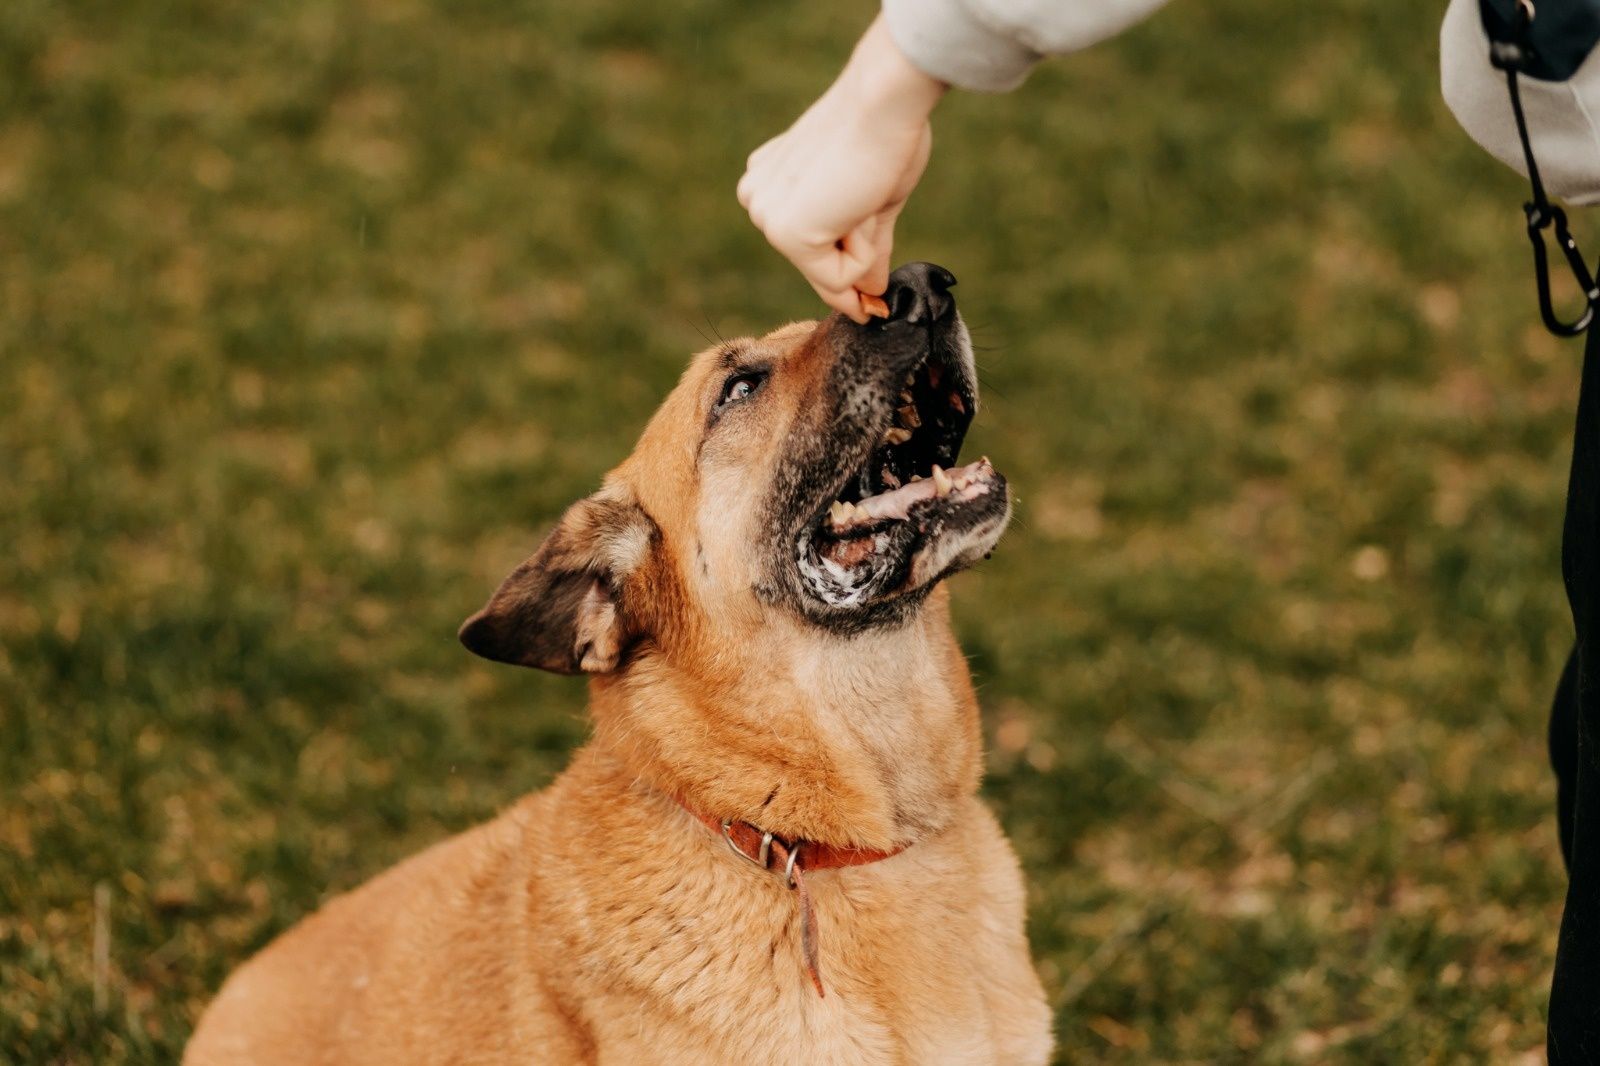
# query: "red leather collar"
{"points": [[791, 858]]}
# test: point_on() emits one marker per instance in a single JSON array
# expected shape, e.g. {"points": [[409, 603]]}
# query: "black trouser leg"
{"points": [[1564, 751], [1575, 744]]}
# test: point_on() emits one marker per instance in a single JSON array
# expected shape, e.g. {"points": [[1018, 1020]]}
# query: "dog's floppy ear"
{"points": [[564, 609]]}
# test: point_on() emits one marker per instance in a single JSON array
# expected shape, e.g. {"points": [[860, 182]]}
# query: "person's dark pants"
{"points": [[1575, 744]]}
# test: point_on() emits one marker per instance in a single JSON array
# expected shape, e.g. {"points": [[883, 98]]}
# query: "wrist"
{"points": [[888, 84]]}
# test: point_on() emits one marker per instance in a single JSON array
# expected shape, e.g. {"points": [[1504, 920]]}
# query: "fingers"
{"points": [[833, 272], [754, 168], [868, 249], [845, 301], [839, 271], [831, 265], [763, 182]]}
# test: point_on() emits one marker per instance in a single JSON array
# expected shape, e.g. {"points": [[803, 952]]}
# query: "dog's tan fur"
{"points": [[598, 922]]}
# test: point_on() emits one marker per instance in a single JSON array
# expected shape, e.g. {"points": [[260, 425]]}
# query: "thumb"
{"points": [[875, 279], [858, 251]]}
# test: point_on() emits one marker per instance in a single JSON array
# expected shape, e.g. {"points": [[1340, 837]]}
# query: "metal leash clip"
{"points": [[1541, 213], [1539, 217]]}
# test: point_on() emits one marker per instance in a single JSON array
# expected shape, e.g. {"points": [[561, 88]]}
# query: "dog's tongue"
{"points": [[965, 481]]}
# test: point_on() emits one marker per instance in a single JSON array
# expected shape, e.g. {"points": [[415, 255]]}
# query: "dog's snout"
{"points": [[919, 293]]}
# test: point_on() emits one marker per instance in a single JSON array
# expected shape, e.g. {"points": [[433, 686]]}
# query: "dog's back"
{"points": [[415, 965]]}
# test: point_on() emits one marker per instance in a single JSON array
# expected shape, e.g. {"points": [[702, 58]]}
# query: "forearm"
{"points": [[887, 86]]}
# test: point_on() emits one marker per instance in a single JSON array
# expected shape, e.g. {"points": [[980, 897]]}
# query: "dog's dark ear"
{"points": [[564, 609]]}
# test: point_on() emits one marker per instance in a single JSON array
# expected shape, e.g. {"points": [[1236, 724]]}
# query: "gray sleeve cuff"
{"points": [[946, 41], [1561, 114]]}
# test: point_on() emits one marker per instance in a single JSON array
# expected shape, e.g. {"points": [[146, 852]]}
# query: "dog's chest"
{"points": [[715, 962]]}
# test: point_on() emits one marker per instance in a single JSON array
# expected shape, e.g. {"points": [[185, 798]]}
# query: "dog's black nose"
{"points": [[920, 292]]}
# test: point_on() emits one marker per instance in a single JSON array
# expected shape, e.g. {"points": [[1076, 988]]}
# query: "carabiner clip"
{"points": [[1539, 217]]}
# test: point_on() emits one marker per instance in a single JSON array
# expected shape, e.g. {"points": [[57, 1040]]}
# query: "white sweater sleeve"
{"points": [[990, 45], [1561, 114]]}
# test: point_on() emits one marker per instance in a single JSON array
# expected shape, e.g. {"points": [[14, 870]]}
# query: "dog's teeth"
{"points": [[896, 435], [941, 481], [906, 397], [843, 514], [889, 478], [911, 379], [909, 416], [915, 478]]}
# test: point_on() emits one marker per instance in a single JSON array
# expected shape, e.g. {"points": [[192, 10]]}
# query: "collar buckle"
{"points": [[762, 859]]}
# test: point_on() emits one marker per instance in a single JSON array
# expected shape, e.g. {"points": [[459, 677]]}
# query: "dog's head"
{"points": [[803, 481]]}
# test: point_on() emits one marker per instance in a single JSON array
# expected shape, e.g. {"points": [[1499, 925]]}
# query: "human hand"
{"points": [[827, 191]]}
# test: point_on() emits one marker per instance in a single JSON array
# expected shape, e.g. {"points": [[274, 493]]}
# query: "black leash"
{"points": [[1540, 212]]}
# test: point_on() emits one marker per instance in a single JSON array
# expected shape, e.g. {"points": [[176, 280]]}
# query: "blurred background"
{"points": [[313, 315]]}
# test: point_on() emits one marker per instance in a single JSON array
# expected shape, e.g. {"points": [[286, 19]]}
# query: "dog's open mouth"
{"points": [[908, 514], [911, 475]]}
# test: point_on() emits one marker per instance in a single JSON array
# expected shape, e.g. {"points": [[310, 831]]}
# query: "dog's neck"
{"points": [[871, 741]]}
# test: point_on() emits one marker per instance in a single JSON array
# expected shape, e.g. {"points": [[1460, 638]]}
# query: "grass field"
{"points": [[314, 314]]}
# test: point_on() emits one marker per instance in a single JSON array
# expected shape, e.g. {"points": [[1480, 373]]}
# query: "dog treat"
{"points": [[873, 305]]}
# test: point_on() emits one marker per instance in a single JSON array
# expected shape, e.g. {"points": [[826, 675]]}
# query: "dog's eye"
{"points": [[739, 387]]}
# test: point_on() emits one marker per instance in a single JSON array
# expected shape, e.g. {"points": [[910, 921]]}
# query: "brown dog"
{"points": [[773, 679]]}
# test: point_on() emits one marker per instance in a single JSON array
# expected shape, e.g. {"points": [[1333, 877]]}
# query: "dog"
{"points": [[772, 849]]}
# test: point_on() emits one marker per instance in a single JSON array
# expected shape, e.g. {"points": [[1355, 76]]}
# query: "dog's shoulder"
{"points": [[351, 969]]}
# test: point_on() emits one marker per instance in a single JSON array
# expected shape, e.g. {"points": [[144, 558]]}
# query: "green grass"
{"points": [[312, 314]]}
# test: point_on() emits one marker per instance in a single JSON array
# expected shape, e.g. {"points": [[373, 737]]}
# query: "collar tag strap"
{"points": [[808, 925]]}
